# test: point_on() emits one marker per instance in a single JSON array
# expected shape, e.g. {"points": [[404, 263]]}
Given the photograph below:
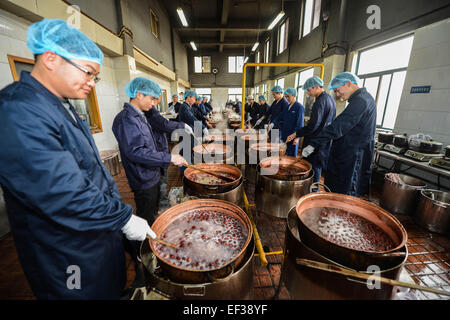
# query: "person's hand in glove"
{"points": [[291, 137], [307, 151], [188, 129], [258, 122], [137, 229], [270, 126], [178, 160], [205, 132]]}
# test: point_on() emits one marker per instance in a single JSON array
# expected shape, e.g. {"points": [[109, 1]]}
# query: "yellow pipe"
{"points": [[322, 69], [262, 254], [269, 253]]}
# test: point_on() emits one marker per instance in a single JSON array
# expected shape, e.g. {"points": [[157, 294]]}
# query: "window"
{"points": [[235, 93], [264, 91], [302, 76], [235, 64], [162, 105], [154, 22], [283, 36], [311, 16], [202, 64], [257, 90], [257, 59], [87, 109], [204, 92], [280, 82], [266, 51], [382, 70]]}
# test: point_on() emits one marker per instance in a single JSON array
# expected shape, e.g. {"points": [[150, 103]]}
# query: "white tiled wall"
{"points": [[13, 36], [429, 65]]}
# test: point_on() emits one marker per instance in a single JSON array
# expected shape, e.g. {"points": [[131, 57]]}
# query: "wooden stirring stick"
{"points": [[351, 273], [211, 173], [169, 244]]}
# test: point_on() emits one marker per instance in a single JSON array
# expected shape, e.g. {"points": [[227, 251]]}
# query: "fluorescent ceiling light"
{"points": [[255, 46], [245, 59], [276, 20], [182, 17], [193, 45]]}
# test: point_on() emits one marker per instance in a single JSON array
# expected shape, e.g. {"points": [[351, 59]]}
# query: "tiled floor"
{"points": [[428, 262]]}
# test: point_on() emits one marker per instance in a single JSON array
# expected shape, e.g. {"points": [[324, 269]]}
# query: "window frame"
{"points": [[154, 20], [379, 75], [285, 23], [202, 61], [313, 15], [92, 102], [267, 51], [236, 64]]}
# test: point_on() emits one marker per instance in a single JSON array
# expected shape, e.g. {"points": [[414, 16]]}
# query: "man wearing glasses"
{"points": [[349, 167], [65, 211]]}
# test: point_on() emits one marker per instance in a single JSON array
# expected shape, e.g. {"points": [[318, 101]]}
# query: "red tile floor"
{"points": [[428, 262]]}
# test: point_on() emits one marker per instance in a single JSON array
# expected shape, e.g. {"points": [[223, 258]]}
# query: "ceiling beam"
{"points": [[224, 21], [231, 29]]}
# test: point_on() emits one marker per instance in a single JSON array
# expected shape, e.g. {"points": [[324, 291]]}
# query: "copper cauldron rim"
{"points": [[176, 212], [209, 166], [330, 196]]}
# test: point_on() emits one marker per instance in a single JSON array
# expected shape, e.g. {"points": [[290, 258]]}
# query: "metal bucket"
{"points": [[110, 159], [401, 198], [433, 212], [237, 286], [276, 197], [234, 195], [305, 283]]}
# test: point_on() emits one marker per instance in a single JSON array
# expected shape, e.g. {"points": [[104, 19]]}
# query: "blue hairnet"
{"points": [[312, 82], [174, 95], [204, 97], [290, 91], [144, 86], [190, 93], [277, 89], [57, 36], [262, 98], [342, 79]]}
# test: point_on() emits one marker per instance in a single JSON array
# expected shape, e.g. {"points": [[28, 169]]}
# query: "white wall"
{"points": [[429, 65], [13, 37]]}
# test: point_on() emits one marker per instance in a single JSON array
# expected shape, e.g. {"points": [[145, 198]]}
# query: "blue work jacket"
{"points": [[160, 127], [275, 111], [291, 119], [141, 158], [187, 116], [349, 167], [63, 206], [323, 112]]}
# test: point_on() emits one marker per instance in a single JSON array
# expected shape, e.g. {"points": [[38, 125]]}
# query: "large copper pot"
{"points": [[271, 167], [239, 285], [184, 275], [355, 259], [259, 151], [213, 153], [230, 191], [275, 196], [305, 283]]}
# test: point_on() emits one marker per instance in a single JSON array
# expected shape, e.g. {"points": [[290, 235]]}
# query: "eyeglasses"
{"points": [[90, 75]]}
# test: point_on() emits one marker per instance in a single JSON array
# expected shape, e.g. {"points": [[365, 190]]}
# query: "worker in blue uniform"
{"points": [[262, 110], [273, 113], [175, 105], [65, 211], [207, 104], [323, 112], [187, 116], [162, 127], [349, 166], [141, 157], [291, 120], [200, 113]]}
